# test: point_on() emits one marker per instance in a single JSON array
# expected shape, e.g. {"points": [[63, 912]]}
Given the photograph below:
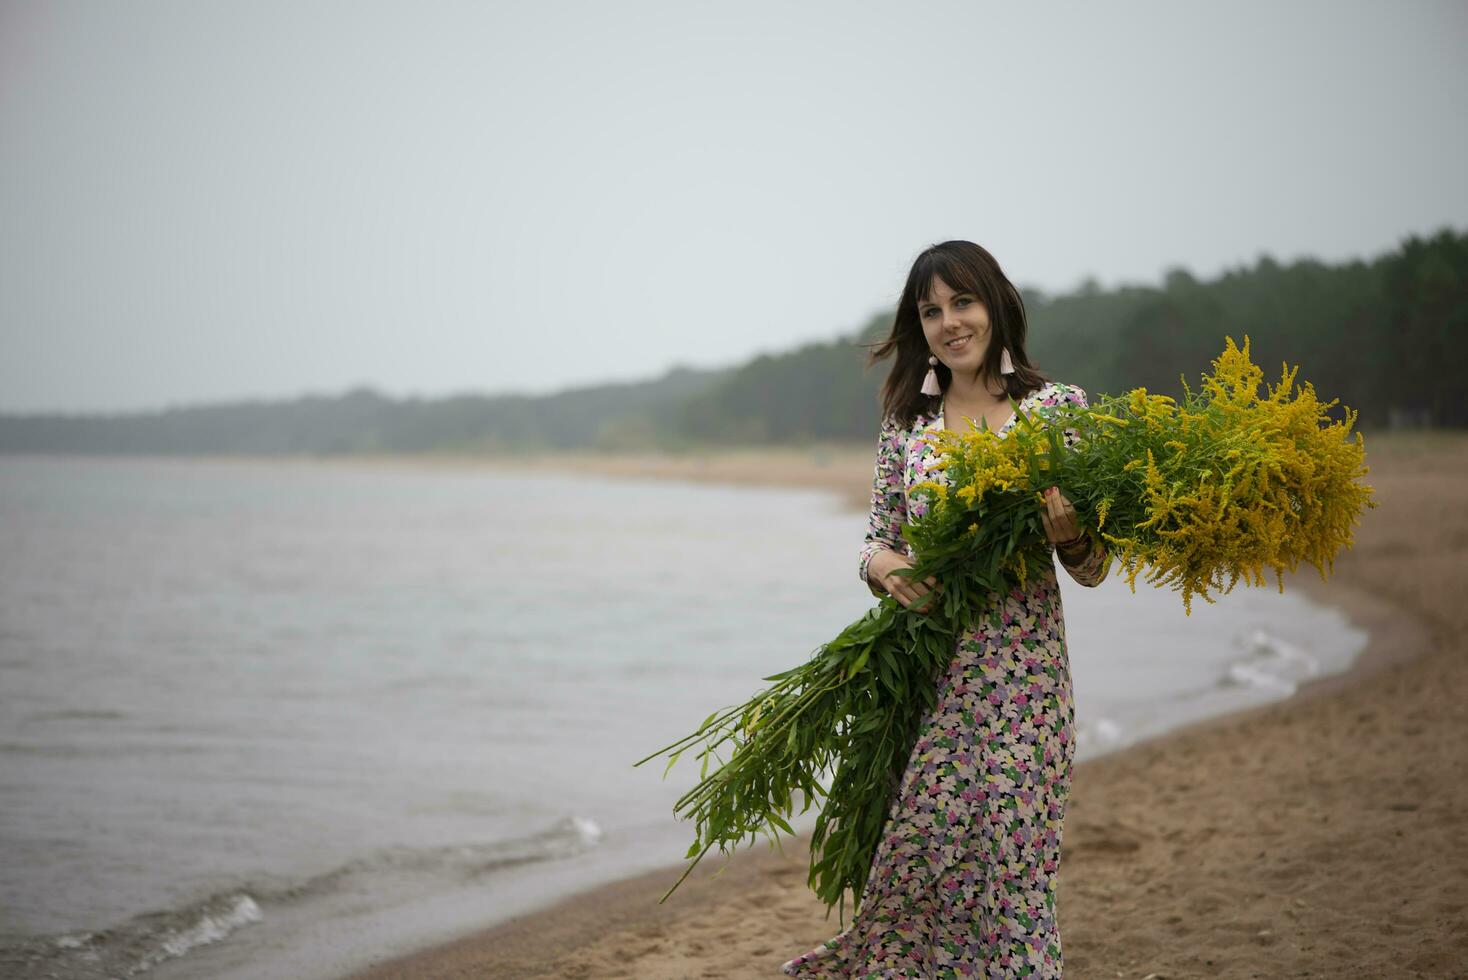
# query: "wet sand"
{"points": [[1320, 836]]}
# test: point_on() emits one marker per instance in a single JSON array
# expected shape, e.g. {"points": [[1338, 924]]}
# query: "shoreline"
{"points": [[760, 912]]}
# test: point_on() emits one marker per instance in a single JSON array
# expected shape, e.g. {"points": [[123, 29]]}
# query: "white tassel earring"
{"points": [[930, 382], [1006, 366]]}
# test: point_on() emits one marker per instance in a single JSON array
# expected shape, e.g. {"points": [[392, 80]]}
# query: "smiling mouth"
{"points": [[958, 342]]}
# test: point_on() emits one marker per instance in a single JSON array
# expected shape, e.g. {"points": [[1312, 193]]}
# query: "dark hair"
{"points": [[969, 268]]}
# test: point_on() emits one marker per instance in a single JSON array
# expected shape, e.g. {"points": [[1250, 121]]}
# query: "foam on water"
{"points": [[1271, 662], [1098, 736]]}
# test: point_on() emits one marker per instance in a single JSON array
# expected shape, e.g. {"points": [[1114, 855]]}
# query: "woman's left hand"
{"points": [[1060, 518]]}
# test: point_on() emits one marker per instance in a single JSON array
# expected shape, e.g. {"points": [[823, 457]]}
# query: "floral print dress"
{"points": [[963, 880]]}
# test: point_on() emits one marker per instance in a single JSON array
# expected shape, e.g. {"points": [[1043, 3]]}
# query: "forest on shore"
{"points": [[1388, 337]]}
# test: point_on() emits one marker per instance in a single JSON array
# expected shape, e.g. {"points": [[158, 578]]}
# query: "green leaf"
{"points": [[887, 673]]}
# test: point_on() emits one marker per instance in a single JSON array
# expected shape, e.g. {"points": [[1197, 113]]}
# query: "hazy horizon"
{"points": [[209, 202]]}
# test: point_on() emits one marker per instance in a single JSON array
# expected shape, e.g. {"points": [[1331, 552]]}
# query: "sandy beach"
{"points": [[1320, 836]]}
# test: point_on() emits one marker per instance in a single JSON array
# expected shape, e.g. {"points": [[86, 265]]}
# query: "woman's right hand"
{"points": [[903, 588]]}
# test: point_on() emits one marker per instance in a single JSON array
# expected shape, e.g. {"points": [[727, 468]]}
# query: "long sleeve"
{"points": [[889, 502], [1091, 567]]}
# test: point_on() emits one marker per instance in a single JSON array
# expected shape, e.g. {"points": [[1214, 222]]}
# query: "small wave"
{"points": [[1269, 662], [1099, 736], [144, 941], [134, 947], [565, 838], [208, 928]]}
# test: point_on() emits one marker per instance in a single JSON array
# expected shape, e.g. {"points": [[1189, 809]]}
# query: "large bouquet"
{"points": [[1196, 494]]}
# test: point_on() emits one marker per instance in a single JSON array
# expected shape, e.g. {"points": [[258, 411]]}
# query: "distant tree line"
{"points": [[612, 416], [1388, 337]]}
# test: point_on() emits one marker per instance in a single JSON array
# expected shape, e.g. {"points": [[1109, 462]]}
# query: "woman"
{"points": [[971, 894]]}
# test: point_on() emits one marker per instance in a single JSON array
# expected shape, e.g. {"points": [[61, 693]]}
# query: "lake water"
{"points": [[265, 719]]}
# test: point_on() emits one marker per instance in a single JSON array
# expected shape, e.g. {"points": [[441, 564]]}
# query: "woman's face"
{"points": [[956, 326]]}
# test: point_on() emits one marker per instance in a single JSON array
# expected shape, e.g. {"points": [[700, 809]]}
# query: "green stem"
{"points": [[686, 872], [716, 723], [752, 757]]}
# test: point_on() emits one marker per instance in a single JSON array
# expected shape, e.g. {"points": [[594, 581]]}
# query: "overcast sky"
{"points": [[207, 201]]}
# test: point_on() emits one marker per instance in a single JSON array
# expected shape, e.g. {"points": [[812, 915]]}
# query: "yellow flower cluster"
{"points": [[978, 461], [1235, 483]]}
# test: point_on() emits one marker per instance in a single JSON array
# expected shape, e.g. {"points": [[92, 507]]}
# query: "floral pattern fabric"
{"points": [[963, 880]]}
